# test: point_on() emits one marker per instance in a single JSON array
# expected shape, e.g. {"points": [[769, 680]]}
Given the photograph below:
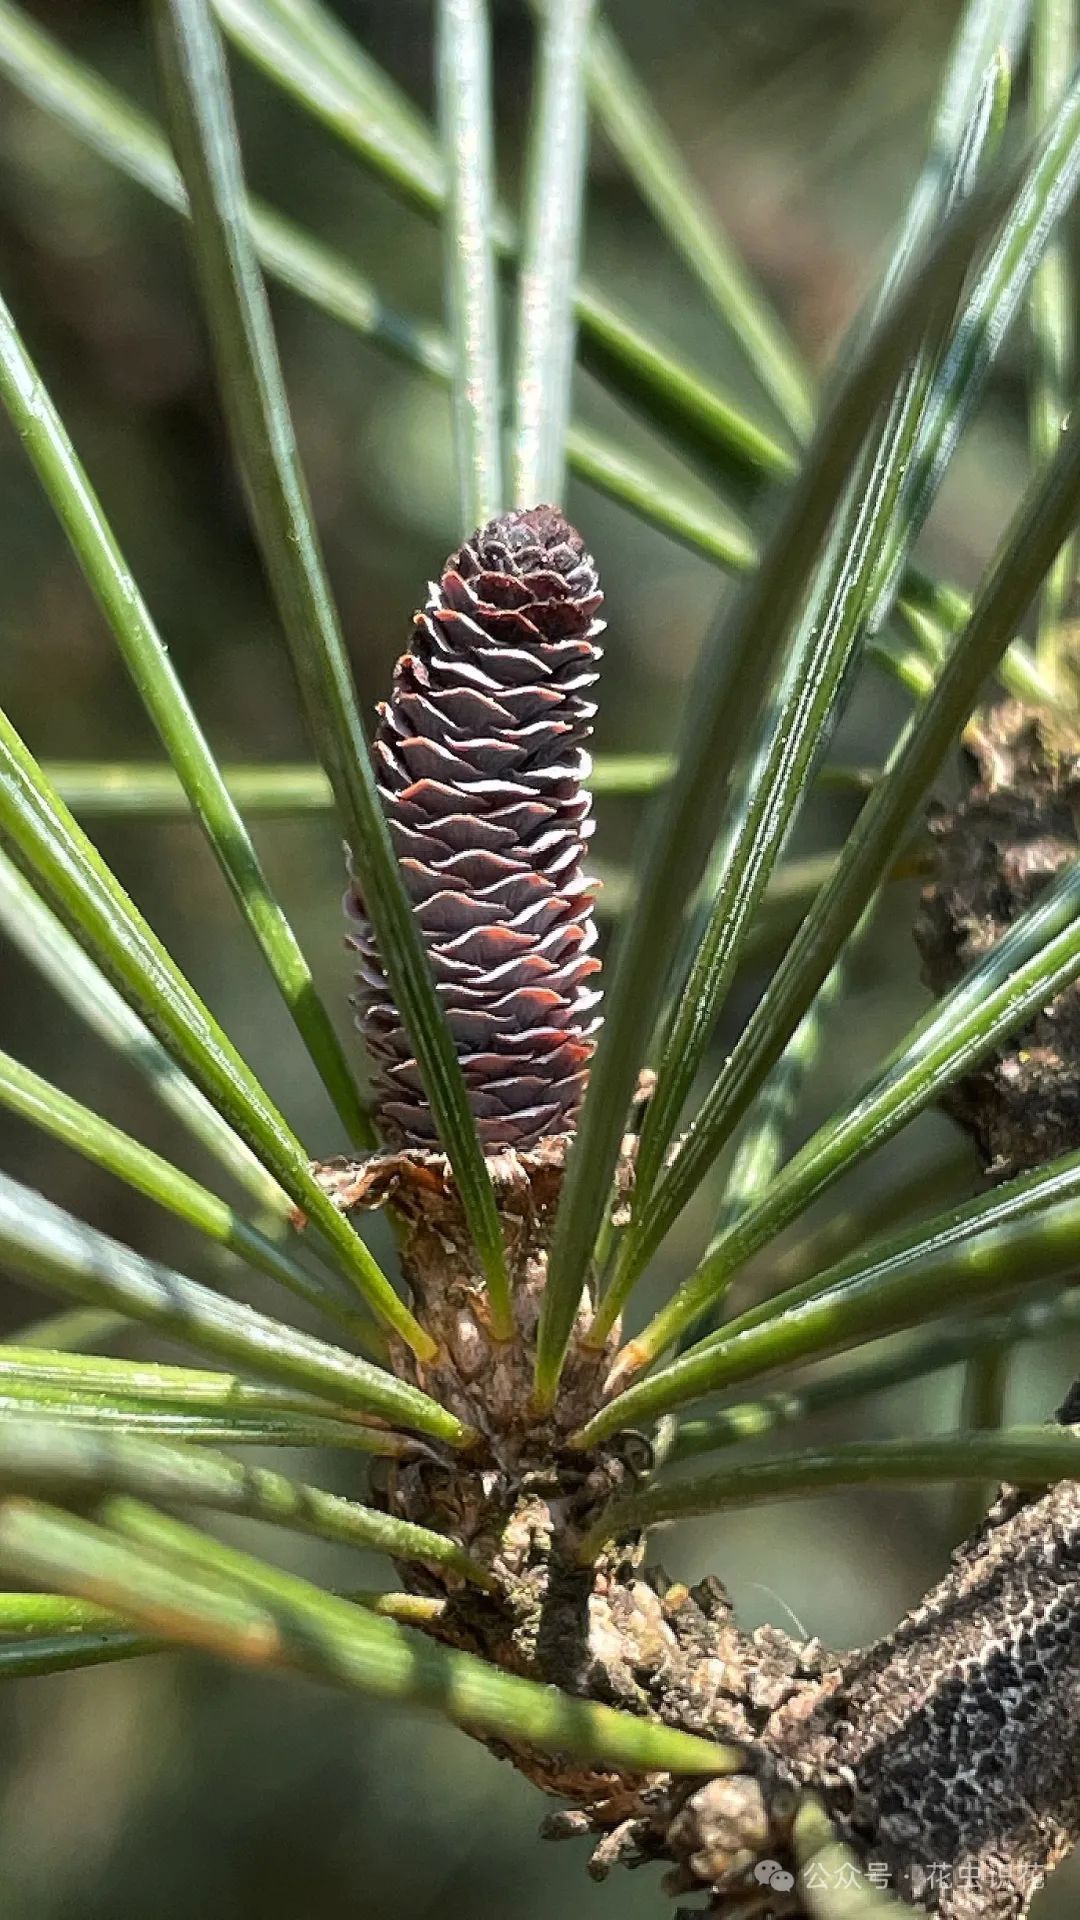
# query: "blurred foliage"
{"points": [[178, 1788]]}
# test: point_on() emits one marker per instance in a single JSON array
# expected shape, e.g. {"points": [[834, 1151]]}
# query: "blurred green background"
{"points": [[175, 1788]]}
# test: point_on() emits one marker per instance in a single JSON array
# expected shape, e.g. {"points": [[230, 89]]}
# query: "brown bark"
{"points": [[1012, 830]]}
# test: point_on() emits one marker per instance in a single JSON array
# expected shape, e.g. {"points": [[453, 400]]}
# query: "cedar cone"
{"points": [[1010, 834], [480, 761]]}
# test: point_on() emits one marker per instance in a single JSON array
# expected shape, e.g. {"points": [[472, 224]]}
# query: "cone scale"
{"points": [[481, 761]]}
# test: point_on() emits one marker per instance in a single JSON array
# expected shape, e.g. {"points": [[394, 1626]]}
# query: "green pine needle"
{"points": [[463, 65], [47, 1458], [49, 1247], [1024, 1456], [201, 1593], [551, 236], [71, 871], [238, 314], [36, 932], [1020, 1234], [33, 1098], [42, 434], [730, 685]]}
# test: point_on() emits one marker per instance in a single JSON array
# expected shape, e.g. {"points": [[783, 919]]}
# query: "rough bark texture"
{"points": [[950, 1751]]}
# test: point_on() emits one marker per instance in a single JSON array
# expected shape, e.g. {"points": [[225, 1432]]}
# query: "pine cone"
{"points": [[480, 760]]}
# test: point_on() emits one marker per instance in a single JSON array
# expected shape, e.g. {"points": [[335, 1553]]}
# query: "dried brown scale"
{"points": [[520, 1500], [1013, 829], [481, 763], [519, 1497], [488, 1382]]}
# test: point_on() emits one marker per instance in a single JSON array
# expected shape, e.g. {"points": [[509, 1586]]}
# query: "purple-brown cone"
{"points": [[480, 759]]}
